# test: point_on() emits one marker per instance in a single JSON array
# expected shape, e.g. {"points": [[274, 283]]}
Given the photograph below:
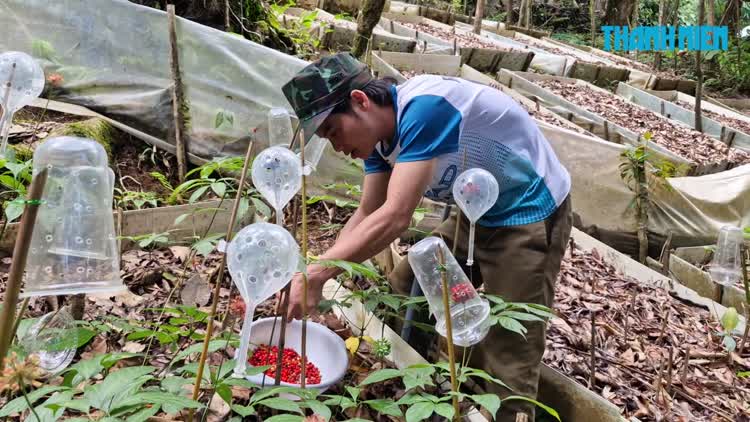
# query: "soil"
{"points": [[676, 137], [31, 124], [135, 160], [637, 328]]}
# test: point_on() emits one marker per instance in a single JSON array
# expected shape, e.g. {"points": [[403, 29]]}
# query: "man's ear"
{"points": [[360, 100]]}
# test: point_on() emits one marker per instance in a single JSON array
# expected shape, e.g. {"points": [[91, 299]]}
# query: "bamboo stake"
{"points": [[685, 366], [219, 279], [20, 252], [670, 366], [449, 333], [303, 204], [699, 73], [177, 97]]}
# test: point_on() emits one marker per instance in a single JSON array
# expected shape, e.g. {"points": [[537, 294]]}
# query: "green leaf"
{"points": [[420, 411], [19, 404], [13, 210], [278, 403], [521, 316], [52, 408], [243, 208], [174, 384], [445, 410], [385, 406], [83, 370], [213, 346], [730, 319], [318, 408], [219, 189], [117, 387], [225, 392], [340, 401], [197, 194], [144, 414], [491, 402], [162, 398], [284, 418], [381, 375], [243, 411], [180, 219], [548, 409], [353, 392], [81, 405], [511, 325], [263, 209]]}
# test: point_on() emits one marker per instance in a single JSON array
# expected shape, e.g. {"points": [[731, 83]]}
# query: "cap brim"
{"points": [[312, 124]]}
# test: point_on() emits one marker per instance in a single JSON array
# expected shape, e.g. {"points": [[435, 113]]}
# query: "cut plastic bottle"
{"points": [[261, 258], [469, 312], [279, 127], [277, 175], [53, 339], [21, 80], [73, 246], [727, 261], [313, 152], [475, 192]]}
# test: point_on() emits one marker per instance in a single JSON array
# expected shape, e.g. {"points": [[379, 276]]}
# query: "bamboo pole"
{"points": [[449, 333], [699, 72], [178, 97], [20, 252], [303, 204], [219, 279]]}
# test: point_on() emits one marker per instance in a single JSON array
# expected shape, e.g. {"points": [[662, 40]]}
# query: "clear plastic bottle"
{"points": [[469, 312], [52, 339], [21, 80], [726, 264], [73, 246], [279, 127]]}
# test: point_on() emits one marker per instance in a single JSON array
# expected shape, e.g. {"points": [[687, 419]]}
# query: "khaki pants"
{"points": [[520, 264]]}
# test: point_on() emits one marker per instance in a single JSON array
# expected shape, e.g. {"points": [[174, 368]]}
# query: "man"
{"points": [[415, 139]]}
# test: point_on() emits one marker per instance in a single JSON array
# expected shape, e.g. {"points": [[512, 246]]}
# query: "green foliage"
{"points": [[14, 179], [128, 199], [150, 241], [224, 120], [729, 321], [510, 314]]}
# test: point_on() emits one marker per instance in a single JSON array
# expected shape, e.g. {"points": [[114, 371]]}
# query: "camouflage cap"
{"points": [[315, 90]]}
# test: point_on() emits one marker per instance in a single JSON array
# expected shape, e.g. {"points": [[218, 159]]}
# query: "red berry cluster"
{"points": [[291, 366], [462, 292]]}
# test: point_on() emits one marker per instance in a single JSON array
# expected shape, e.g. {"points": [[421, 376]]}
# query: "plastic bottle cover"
{"points": [[21, 80], [73, 246], [469, 312], [279, 127], [726, 264]]}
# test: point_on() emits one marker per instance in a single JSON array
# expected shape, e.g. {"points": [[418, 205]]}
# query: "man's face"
{"points": [[352, 133]]}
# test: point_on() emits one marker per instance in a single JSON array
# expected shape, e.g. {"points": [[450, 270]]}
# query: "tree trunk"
{"points": [[699, 72], [710, 13], [676, 24], [508, 12], [529, 3], [478, 16], [618, 13], [592, 13], [662, 13], [522, 13], [366, 21]]}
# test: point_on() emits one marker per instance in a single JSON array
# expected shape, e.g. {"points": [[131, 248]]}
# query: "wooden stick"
{"points": [[670, 366], [177, 97], [449, 332], [227, 24], [664, 326], [592, 364], [219, 279], [284, 302], [683, 377], [658, 383], [631, 308], [303, 204], [18, 265]]}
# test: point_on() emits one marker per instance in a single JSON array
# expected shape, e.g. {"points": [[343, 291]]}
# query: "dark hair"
{"points": [[377, 90]]}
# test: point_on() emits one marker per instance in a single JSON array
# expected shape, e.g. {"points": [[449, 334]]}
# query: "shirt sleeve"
{"points": [[376, 164], [429, 127]]}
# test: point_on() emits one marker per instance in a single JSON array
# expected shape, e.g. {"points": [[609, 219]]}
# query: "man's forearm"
{"points": [[373, 233], [353, 222]]}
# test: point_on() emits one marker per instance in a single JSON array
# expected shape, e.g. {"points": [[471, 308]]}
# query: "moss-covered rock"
{"points": [[22, 152], [95, 128]]}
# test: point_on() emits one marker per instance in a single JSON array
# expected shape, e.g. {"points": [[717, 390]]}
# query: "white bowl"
{"points": [[325, 349]]}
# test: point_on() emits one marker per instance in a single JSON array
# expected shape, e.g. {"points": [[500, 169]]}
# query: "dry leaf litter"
{"points": [[636, 329], [463, 39], [741, 125], [676, 137]]}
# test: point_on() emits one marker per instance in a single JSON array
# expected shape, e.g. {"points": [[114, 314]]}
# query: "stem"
{"points": [[303, 204], [240, 356], [21, 312], [280, 217], [592, 363], [449, 332], [219, 279], [20, 252], [28, 402], [470, 260]]}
